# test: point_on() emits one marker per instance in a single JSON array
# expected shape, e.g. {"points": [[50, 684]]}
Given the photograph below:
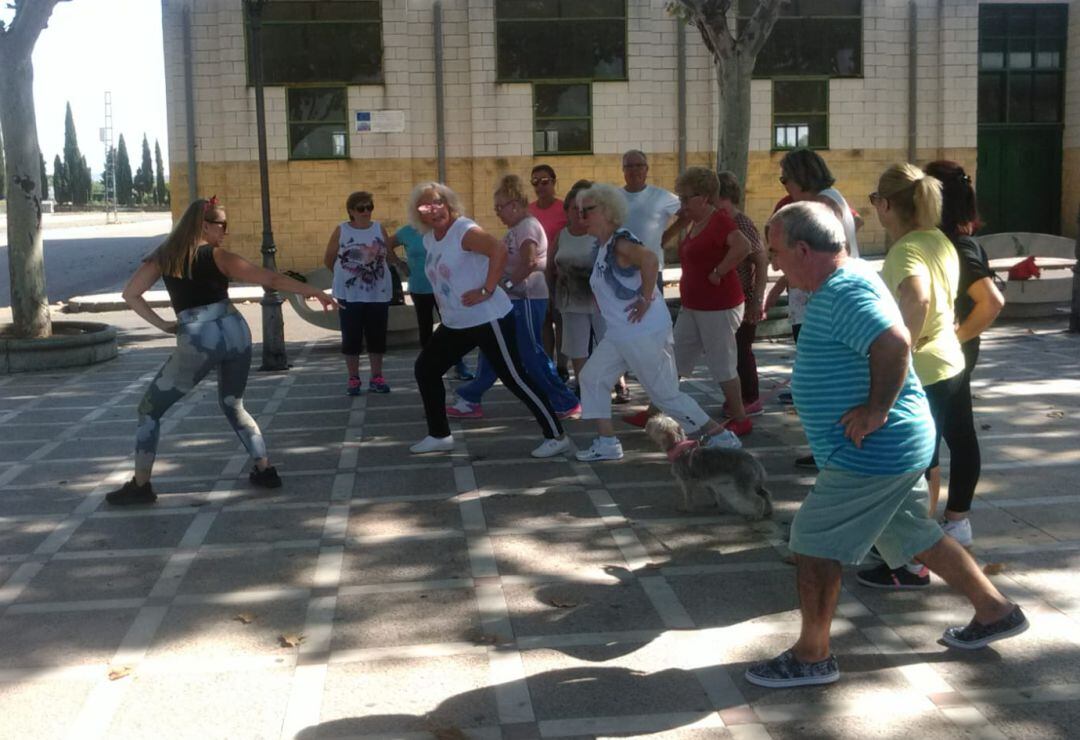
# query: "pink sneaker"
{"points": [[574, 413], [462, 409]]}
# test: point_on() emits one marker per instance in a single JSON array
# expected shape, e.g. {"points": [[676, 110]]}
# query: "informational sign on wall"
{"points": [[380, 121]]}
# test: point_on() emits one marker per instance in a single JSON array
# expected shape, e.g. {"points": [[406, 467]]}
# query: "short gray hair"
{"points": [[610, 200], [638, 152], [811, 222], [453, 203]]}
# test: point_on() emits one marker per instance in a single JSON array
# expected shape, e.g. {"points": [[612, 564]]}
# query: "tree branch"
{"points": [[752, 39], [31, 18]]}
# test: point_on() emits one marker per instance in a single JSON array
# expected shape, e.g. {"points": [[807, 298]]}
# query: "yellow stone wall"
{"points": [[1070, 191], [308, 198]]}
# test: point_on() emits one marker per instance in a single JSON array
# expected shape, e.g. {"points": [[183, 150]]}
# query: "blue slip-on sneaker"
{"points": [[976, 635], [785, 671]]}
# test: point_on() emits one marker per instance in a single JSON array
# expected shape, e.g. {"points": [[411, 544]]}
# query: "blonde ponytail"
{"points": [[914, 195]]}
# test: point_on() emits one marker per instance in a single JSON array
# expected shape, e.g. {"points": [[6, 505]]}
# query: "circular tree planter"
{"points": [[73, 344]]}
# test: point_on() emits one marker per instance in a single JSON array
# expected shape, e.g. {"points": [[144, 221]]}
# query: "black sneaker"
{"points": [[622, 395], [976, 635], [807, 463], [267, 478], [785, 671], [896, 579], [132, 493]]}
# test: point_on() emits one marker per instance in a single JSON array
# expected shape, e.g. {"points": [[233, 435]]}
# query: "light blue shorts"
{"points": [[846, 513]]}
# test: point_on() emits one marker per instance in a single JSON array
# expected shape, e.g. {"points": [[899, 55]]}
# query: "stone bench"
{"points": [[1044, 296]]}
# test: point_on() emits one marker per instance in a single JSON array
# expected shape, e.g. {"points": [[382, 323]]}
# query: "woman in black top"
{"points": [[978, 302], [210, 335]]}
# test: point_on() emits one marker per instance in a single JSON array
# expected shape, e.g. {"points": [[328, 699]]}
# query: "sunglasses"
{"points": [[430, 207], [584, 210], [223, 224], [364, 208], [783, 179], [537, 181], [876, 197]]}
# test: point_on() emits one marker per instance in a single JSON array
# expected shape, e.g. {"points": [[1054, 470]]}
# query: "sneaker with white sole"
{"points": [[552, 447], [976, 635], [726, 438], [959, 530], [463, 409], [602, 448], [433, 444], [785, 671]]}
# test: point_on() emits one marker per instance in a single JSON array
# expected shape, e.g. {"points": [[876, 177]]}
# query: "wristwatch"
{"points": [[483, 290]]}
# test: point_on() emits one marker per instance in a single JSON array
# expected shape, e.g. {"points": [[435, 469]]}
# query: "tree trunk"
{"points": [[733, 122], [26, 265]]}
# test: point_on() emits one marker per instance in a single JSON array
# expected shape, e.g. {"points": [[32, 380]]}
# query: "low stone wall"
{"points": [[73, 344]]}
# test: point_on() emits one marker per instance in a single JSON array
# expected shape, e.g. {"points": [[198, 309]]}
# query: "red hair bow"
{"points": [[211, 204]]}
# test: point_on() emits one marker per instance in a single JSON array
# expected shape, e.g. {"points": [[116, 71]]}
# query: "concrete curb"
{"points": [[156, 299], [74, 343]]}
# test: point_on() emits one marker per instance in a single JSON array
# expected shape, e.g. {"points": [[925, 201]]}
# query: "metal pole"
{"points": [[440, 92], [680, 43], [913, 81], [273, 329]]}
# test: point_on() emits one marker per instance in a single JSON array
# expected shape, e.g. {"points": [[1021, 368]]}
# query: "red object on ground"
{"points": [[1025, 269]]}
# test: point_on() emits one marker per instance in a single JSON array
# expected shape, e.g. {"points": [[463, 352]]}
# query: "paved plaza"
{"points": [[486, 594]]}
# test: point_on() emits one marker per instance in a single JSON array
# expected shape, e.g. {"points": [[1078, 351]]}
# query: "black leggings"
{"points": [[496, 340], [959, 433], [424, 305]]}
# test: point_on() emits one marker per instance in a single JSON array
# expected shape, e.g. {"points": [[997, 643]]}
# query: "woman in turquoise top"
{"points": [[423, 297]]}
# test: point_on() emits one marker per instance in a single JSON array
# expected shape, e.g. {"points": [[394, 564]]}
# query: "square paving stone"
{"points": [[204, 705], [405, 618], [385, 451], [206, 466], [232, 527], [290, 455], [23, 537], [496, 448], [1042, 720], [509, 476], [112, 578], [213, 632], [1059, 522], [42, 708], [392, 697], [319, 403], [406, 432], [29, 432], [706, 544], [1051, 575], [97, 429], [129, 533], [552, 509], [220, 445], [17, 451], [723, 599], [930, 725], [44, 501], [395, 414], [62, 638], [86, 447], [295, 489], [217, 572], [50, 416], [306, 419], [403, 517], [937, 596], [592, 684], [568, 553], [633, 469], [585, 607], [406, 560], [85, 472], [406, 482]]}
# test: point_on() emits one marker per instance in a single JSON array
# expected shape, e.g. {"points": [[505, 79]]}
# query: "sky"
{"points": [[91, 46]]}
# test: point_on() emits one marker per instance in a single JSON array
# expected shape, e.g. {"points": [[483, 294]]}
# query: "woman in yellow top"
{"points": [[922, 271]]}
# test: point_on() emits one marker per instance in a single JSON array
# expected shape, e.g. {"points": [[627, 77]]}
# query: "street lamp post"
{"points": [[273, 326]]}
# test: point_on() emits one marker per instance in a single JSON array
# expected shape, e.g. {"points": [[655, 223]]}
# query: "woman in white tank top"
{"points": [[464, 265]]}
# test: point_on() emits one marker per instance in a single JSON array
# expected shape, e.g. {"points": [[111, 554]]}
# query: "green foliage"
{"points": [[76, 171], [44, 178], [144, 176], [161, 193], [60, 182], [123, 174]]}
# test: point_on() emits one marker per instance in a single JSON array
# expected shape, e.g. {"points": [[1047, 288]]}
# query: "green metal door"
{"points": [[1021, 92]]}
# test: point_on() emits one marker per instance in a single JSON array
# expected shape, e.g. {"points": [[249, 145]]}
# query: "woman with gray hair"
{"points": [[464, 265], [638, 331]]}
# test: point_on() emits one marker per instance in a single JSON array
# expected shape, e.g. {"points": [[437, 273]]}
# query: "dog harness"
{"points": [[681, 449]]}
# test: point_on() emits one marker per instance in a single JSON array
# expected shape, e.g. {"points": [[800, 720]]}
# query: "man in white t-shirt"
{"points": [[651, 208]]}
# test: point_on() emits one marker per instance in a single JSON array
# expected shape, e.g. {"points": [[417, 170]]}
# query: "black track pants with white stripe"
{"points": [[496, 340]]}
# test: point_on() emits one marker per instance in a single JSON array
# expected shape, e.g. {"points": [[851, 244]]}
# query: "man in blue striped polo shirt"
{"points": [[871, 433]]}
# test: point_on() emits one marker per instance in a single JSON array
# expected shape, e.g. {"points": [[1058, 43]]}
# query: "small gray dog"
{"points": [[696, 467]]}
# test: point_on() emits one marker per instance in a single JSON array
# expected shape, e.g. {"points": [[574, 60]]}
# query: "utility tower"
{"points": [[111, 215]]}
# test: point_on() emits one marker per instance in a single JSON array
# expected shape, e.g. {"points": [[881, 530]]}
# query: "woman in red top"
{"points": [[711, 294]]}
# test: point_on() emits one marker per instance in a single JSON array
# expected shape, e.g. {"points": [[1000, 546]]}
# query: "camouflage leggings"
{"points": [[207, 338]]}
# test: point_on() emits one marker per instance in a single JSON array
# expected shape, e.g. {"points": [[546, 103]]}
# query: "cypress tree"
{"points": [[75, 188], [60, 183], [44, 179], [144, 176], [123, 174], [161, 196]]}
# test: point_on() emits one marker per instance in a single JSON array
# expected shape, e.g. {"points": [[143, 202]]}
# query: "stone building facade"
{"points": [[856, 112]]}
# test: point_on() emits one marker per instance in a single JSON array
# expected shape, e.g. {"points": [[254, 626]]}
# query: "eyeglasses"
{"points": [[500, 206], [684, 199], [364, 208], [430, 207], [223, 224], [876, 197], [584, 210], [538, 181], [783, 179], [634, 166]]}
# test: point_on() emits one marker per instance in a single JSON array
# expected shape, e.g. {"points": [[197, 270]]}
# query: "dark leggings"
{"points": [[497, 341], [425, 307], [959, 433], [747, 363]]}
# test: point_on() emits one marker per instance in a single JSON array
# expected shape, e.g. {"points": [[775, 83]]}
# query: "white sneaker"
{"points": [[602, 448], [433, 444], [959, 530], [725, 438], [552, 447]]}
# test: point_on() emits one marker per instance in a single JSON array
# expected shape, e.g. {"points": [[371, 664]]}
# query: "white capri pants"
{"points": [[577, 328], [651, 357], [711, 332]]}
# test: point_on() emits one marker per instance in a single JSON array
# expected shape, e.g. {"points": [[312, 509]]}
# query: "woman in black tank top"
{"points": [[211, 335]]}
